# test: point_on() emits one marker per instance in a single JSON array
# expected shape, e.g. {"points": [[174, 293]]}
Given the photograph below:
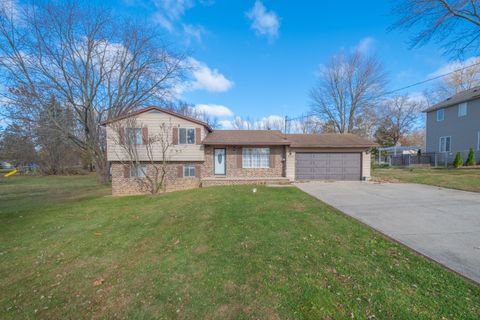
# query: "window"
{"points": [[134, 135], [445, 144], [462, 109], [440, 114], [478, 140], [256, 158], [189, 171], [138, 171], [187, 136]]}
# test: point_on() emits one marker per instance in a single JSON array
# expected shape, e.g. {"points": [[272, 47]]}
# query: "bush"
{"points": [[458, 162], [471, 158]]}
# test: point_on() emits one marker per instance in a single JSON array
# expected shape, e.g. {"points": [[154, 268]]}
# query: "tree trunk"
{"points": [[102, 170]]}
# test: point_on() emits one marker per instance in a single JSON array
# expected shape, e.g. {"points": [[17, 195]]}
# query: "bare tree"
{"points": [[402, 115], [146, 152], [188, 109], [458, 81], [89, 59], [454, 23], [349, 84]]}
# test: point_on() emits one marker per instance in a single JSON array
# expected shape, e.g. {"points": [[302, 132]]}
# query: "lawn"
{"points": [[462, 179], [67, 250]]}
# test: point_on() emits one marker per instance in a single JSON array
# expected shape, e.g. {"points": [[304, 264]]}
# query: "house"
{"points": [[201, 156], [453, 125]]}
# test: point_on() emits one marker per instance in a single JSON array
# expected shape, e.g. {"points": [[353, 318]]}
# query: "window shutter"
{"points": [[180, 172], [239, 158], [175, 136], [198, 171], [121, 133], [272, 158], [198, 135], [145, 135], [126, 171]]}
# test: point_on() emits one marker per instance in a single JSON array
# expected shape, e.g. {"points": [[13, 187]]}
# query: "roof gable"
{"points": [[154, 108], [464, 96]]}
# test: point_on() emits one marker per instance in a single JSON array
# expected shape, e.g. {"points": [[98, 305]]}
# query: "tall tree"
{"points": [[95, 63], [17, 145], [400, 116], [453, 23], [349, 84]]}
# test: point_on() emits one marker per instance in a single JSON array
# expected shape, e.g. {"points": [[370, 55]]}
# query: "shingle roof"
{"points": [[329, 140], [460, 97], [246, 137], [275, 137], [175, 114]]}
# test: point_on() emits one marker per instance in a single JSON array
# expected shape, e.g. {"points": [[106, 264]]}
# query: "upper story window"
{"points": [[187, 136], [445, 144], [134, 135], [440, 114], [462, 109], [256, 157]]}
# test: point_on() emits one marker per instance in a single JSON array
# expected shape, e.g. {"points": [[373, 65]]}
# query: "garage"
{"points": [[328, 166]]}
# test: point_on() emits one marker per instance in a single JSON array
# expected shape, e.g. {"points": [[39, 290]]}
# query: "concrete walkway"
{"points": [[443, 224]]}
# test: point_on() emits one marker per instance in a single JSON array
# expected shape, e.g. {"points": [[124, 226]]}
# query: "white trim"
{"points": [[186, 135], [189, 167], [442, 113], [478, 140], [462, 106], [255, 158], [440, 144]]}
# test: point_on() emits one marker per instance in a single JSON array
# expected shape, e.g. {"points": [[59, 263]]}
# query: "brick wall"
{"points": [[234, 167], [134, 185]]}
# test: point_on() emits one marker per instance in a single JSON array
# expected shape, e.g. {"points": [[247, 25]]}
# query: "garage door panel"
{"points": [[328, 166]]}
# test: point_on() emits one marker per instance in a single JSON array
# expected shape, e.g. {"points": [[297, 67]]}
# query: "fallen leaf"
{"points": [[98, 282]]}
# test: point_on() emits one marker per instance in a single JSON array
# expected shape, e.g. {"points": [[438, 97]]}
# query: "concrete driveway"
{"points": [[443, 224]]}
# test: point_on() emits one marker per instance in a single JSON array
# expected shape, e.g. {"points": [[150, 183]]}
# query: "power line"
{"points": [[402, 88]]}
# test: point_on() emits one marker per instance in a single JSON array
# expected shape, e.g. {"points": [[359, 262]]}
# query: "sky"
{"points": [[258, 59]]}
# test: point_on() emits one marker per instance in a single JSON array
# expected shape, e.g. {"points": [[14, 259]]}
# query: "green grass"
{"points": [[69, 251], [462, 179]]}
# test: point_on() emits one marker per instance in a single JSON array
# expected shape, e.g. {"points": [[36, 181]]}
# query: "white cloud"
{"points": [[265, 23], [454, 65], [169, 13], [194, 31], [226, 124], [365, 44], [11, 8], [205, 78], [214, 110]]}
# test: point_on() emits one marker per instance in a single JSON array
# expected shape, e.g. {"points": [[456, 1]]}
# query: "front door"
{"points": [[219, 161]]}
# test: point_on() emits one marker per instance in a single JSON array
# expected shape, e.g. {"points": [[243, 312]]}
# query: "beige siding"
{"points": [[290, 163], [152, 120], [290, 170], [366, 165]]}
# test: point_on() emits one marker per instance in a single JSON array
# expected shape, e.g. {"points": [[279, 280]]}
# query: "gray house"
{"points": [[453, 125]]}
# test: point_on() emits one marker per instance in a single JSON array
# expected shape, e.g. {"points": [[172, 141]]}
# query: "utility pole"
{"points": [[286, 124]]}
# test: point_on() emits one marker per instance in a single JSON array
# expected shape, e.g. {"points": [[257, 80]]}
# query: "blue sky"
{"points": [[259, 58]]}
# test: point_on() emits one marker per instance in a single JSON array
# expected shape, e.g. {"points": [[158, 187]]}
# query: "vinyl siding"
{"points": [[462, 130], [152, 120]]}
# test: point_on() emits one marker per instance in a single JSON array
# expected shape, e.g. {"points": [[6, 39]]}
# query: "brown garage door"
{"points": [[328, 166]]}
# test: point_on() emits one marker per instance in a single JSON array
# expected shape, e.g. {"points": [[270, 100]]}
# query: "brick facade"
{"points": [[234, 163], [173, 182]]}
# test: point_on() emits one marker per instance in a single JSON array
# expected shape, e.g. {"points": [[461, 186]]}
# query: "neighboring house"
{"points": [[201, 156], [453, 125]]}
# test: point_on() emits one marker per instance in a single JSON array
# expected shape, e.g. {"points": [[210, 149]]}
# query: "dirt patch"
{"points": [[385, 180], [201, 249]]}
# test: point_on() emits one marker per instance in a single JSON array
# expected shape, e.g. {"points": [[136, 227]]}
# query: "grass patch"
{"points": [[68, 251], [461, 179]]}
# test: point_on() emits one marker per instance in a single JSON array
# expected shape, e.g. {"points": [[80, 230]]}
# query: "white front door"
{"points": [[219, 160]]}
